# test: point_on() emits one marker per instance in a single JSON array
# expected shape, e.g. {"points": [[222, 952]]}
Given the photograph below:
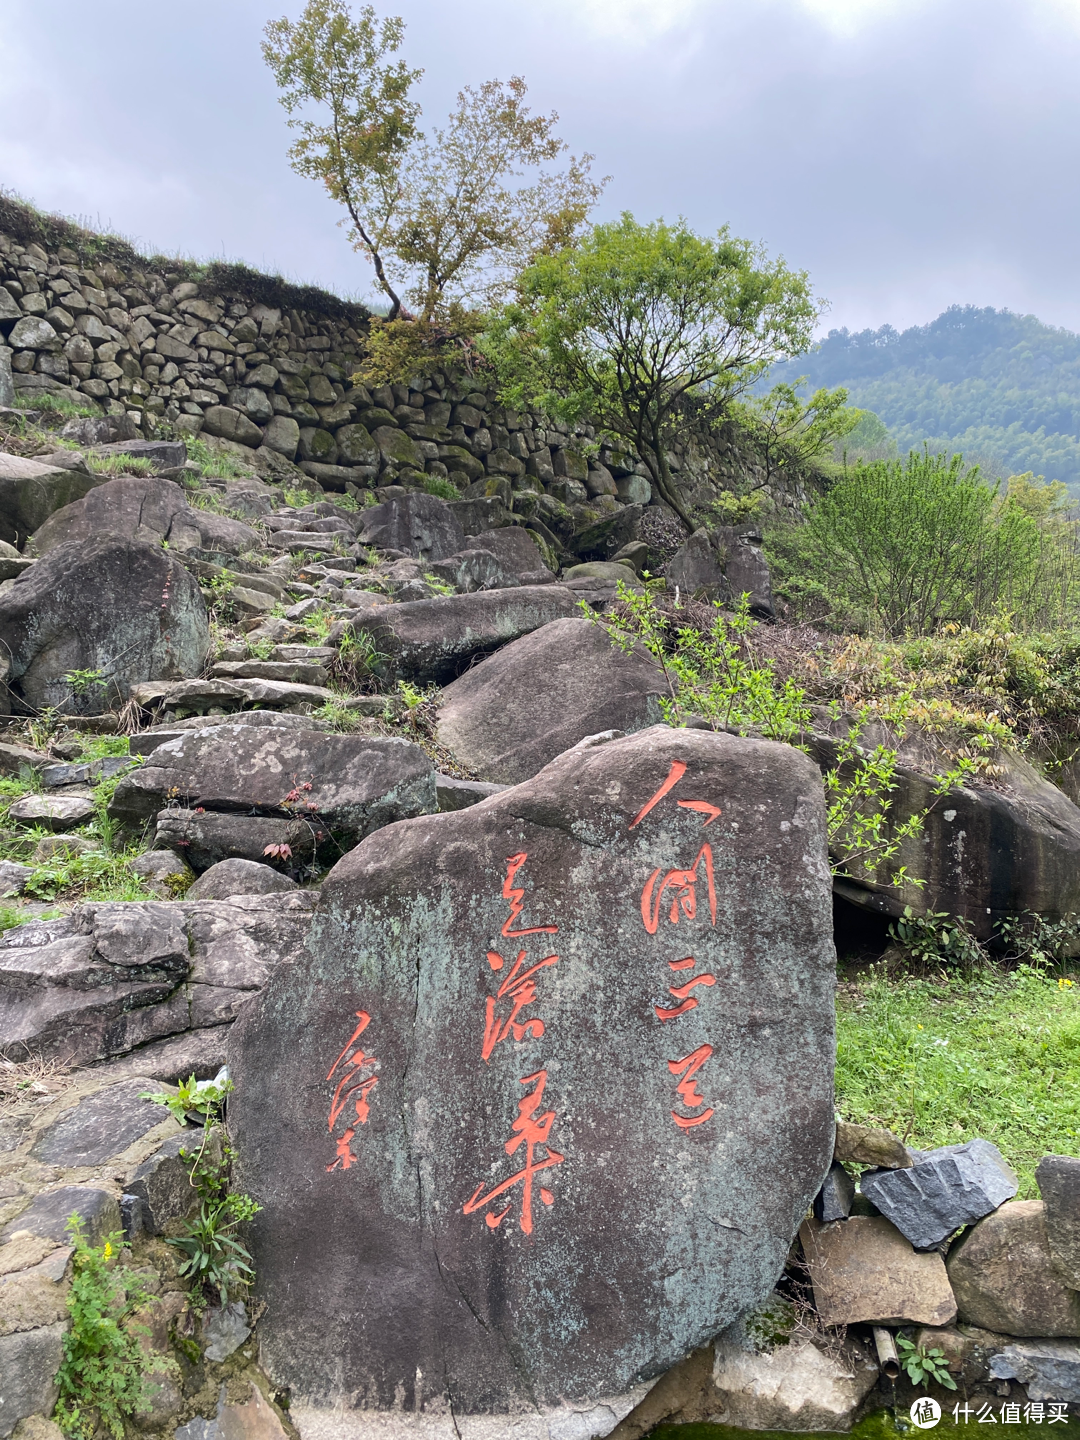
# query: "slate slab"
{"points": [[540, 1104], [1048, 1369], [1058, 1178], [100, 1126], [834, 1199], [943, 1190]]}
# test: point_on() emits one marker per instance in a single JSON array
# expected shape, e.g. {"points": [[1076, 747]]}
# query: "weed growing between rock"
{"points": [[103, 1375], [215, 1258]]}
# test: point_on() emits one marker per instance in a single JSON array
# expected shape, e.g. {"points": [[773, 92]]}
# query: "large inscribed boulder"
{"points": [[540, 1105]]}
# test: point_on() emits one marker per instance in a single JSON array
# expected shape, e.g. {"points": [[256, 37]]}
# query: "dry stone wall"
{"points": [[196, 356]]}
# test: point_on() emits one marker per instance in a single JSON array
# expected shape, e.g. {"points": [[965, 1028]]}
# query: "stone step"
{"points": [[288, 670]]}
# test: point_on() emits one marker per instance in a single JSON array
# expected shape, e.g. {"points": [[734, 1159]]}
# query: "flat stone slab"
{"points": [[50, 1211], [54, 812], [100, 1126], [943, 1190], [540, 1104]]}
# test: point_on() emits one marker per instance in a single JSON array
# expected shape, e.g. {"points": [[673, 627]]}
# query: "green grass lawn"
{"points": [[942, 1062]]}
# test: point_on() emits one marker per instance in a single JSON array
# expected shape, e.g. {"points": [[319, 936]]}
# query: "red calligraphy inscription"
{"points": [[530, 1130], [682, 992], [517, 898], [357, 1081], [521, 991], [686, 1089], [682, 885]]}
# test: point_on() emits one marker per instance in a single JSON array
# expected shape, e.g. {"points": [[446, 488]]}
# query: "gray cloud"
{"points": [[924, 154]]}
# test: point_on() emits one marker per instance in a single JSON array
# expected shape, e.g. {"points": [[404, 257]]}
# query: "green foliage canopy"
{"points": [[626, 325], [906, 547]]}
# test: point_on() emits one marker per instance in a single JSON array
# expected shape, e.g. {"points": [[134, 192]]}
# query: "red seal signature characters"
{"points": [[670, 896], [357, 1074], [505, 1016]]}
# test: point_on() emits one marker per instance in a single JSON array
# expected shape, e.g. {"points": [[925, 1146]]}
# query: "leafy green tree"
{"points": [[627, 325], [366, 119], [907, 547], [791, 434], [448, 218]]}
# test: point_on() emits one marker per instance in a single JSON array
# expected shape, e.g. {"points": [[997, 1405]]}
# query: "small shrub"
{"points": [[102, 1376], [204, 1098], [444, 489], [922, 1364]]}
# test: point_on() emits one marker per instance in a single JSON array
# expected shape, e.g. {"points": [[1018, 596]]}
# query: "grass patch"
{"points": [[120, 464], [55, 404], [943, 1061]]}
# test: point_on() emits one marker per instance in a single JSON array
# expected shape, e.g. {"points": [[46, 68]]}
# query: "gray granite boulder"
{"points": [[434, 641], [109, 607], [418, 524], [509, 1135], [239, 877], [510, 716], [147, 509], [343, 785], [30, 492]]}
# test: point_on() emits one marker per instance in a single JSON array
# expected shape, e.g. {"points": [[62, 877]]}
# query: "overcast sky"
{"points": [[911, 154]]}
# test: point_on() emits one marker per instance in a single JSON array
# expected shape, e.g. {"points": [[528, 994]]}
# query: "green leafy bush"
{"points": [[922, 1364], [907, 548], [102, 1377]]}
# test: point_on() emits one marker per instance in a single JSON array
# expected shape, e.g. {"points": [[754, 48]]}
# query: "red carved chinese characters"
{"points": [[677, 894], [532, 1127], [358, 1078], [530, 1130]]}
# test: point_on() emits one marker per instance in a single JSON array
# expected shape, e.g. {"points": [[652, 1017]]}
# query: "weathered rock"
{"points": [[983, 854], [794, 1386], [418, 524], [108, 606], [473, 570], [834, 1199], [54, 812], [18, 760], [603, 572], [1048, 1369], [29, 1360], [516, 551], [478, 516], [696, 568], [1058, 1178], [185, 696], [49, 1212], [289, 670], [163, 872], [864, 1272], [231, 424], [100, 1126], [7, 382], [239, 877], [1004, 1277], [380, 1223], [342, 785], [100, 430], [454, 794], [601, 539], [510, 716], [867, 1145], [162, 454], [436, 640], [224, 1331], [107, 978], [162, 1184], [30, 492], [942, 1191], [209, 838], [148, 509], [13, 878]]}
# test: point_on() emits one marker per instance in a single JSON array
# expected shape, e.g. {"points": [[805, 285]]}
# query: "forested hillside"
{"points": [[1000, 387]]}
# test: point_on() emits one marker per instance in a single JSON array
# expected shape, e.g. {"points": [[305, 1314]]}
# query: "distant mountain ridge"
{"points": [[999, 387]]}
